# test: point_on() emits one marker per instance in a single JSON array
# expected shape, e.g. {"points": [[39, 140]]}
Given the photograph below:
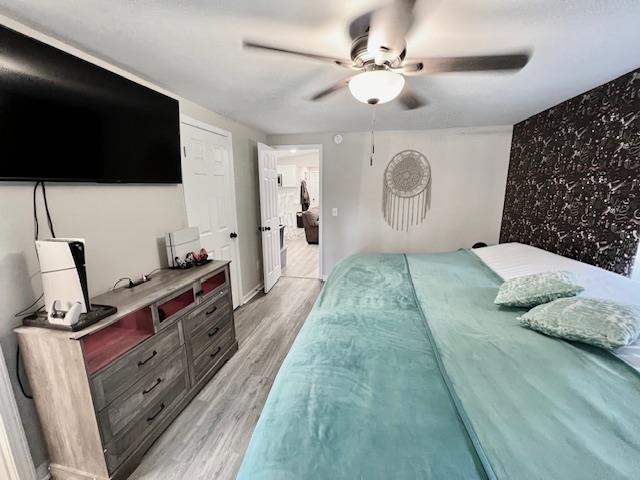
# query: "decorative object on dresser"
{"points": [[181, 243], [406, 190], [105, 393]]}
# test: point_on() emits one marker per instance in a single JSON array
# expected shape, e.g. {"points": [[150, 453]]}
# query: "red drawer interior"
{"points": [[211, 283], [106, 345], [173, 306]]}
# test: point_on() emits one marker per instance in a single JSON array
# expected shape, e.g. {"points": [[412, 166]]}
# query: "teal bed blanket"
{"points": [[405, 369]]}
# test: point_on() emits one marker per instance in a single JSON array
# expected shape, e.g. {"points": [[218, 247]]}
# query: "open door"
{"points": [[269, 221], [207, 177]]}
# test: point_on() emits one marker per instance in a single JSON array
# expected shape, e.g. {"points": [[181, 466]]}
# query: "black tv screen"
{"points": [[65, 119]]}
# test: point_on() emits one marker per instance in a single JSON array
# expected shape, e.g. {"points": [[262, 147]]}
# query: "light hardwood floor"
{"points": [[303, 260], [208, 439]]}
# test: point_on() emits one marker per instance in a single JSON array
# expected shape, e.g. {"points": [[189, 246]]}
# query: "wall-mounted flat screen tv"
{"points": [[66, 119]]}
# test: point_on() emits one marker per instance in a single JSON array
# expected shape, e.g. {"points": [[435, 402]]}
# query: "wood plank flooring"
{"points": [[208, 439], [303, 260]]}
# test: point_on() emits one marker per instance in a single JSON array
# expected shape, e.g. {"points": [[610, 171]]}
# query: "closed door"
{"points": [[207, 177], [269, 224]]}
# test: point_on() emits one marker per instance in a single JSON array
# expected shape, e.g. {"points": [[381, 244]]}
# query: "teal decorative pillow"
{"points": [[537, 289], [601, 323]]}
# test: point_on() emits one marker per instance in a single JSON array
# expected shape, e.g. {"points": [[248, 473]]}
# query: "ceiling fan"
{"points": [[378, 53]]}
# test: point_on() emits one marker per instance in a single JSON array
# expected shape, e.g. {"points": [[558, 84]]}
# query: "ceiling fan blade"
{"points": [[388, 30], [360, 25], [313, 56], [427, 66], [331, 89], [411, 100]]}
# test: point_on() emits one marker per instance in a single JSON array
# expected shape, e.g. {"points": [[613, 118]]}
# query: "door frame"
{"points": [[186, 119], [314, 147]]}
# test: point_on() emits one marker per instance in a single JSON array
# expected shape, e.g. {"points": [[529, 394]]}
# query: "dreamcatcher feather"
{"points": [[406, 192]]}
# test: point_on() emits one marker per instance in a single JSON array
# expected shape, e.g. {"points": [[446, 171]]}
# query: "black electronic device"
{"points": [[65, 119]]}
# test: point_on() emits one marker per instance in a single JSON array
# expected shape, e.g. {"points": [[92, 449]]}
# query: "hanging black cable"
{"points": [[35, 213], [36, 226], [25, 311], [46, 208], [24, 392]]}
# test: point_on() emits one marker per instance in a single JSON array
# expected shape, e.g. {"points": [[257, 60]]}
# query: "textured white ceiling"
{"points": [[193, 48]]}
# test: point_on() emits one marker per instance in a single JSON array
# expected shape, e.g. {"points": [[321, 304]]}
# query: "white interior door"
{"points": [[314, 186], [207, 177], [268, 177]]}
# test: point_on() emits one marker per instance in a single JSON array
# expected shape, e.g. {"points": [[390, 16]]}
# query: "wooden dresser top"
{"points": [[127, 300]]}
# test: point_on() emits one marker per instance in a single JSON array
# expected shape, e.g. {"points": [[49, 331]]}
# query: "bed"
{"points": [[406, 369]]}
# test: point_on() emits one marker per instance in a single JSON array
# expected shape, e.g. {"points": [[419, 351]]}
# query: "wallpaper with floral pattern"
{"points": [[573, 186]]}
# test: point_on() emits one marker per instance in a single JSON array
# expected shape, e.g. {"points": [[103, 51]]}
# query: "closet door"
{"points": [[207, 177]]}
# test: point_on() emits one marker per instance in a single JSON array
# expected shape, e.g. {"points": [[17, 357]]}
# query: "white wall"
{"points": [[122, 224], [469, 169]]}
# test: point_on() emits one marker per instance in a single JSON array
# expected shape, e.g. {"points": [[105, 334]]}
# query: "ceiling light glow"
{"points": [[377, 86]]}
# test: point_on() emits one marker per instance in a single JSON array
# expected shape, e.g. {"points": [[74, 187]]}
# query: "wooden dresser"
{"points": [[104, 394]]}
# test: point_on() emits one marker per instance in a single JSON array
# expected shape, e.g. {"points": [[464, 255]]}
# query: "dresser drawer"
{"points": [[117, 450], [126, 409], [212, 354], [210, 333], [209, 286], [115, 379], [174, 306], [217, 307]]}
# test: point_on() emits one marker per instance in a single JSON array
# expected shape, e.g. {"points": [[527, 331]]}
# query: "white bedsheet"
{"points": [[510, 260]]}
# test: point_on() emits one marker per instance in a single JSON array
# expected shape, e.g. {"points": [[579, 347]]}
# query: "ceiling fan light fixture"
{"points": [[377, 86]]}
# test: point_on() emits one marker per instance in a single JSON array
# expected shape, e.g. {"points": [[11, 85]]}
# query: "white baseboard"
{"points": [[42, 471], [254, 291]]}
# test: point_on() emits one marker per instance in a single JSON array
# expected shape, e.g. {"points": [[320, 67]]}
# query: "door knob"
{"points": [[268, 228], [233, 235]]}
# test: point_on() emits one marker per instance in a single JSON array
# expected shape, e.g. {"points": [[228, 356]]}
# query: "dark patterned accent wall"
{"points": [[573, 186]]}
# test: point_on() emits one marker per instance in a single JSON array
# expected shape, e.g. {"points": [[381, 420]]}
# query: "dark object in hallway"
{"points": [[299, 220], [311, 222], [305, 202]]}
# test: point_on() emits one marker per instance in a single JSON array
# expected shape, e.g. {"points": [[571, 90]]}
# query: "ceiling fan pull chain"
{"points": [[373, 127]]}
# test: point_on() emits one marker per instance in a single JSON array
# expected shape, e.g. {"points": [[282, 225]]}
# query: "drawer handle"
{"points": [[216, 352], [149, 390], [215, 330], [211, 311], [153, 417], [143, 362]]}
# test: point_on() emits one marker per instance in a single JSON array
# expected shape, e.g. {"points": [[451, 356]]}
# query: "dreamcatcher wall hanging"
{"points": [[406, 190]]}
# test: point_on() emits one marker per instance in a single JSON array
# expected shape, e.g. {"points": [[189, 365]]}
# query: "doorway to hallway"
{"points": [[299, 204]]}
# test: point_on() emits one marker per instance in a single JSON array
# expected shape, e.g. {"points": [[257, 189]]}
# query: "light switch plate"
{"points": [[334, 212]]}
